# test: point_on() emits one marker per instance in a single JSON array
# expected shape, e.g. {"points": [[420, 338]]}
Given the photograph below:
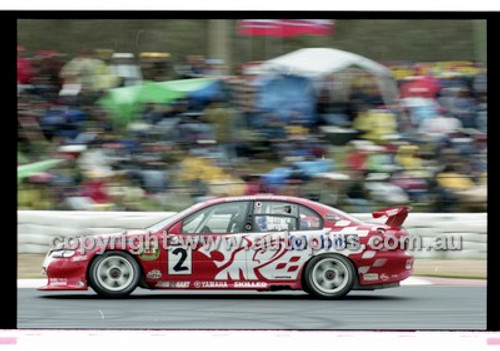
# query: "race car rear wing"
{"points": [[396, 215]]}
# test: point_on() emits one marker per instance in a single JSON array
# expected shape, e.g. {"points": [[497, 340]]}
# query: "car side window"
{"points": [[274, 216], [217, 219], [308, 219], [280, 216]]}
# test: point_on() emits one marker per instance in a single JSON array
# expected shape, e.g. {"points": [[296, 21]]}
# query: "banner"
{"points": [[285, 28]]}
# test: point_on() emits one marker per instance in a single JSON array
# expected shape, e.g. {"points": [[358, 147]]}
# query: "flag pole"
{"points": [[265, 41], [250, 38], [281, 42]]}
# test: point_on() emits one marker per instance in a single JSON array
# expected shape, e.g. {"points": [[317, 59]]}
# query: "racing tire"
{"points": [[114, 274], [329, 276]]}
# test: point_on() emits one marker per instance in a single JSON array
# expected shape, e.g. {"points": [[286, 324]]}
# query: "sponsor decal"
{"points": [[273, 223], [58, 281], [79, 258], [384, 276], [150, 251], [262, 223], [173, 285], [332, 217], [154, 274], [210, 285], [251, 285], [180, 261], [309, 223], [282, 277], [370, 276]]}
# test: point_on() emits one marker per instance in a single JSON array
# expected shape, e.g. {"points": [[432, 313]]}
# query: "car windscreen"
{"points": [[172, 219]]}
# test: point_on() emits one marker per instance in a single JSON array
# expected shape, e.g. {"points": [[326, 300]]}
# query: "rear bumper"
{"points": [[384, 269], [375, 286]]}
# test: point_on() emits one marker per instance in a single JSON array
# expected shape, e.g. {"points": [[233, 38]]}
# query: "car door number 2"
{"points": [[179, 261]]}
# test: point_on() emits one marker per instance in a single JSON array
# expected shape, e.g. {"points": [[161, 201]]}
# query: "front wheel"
{"points": [[114, 274], [329, 276]]}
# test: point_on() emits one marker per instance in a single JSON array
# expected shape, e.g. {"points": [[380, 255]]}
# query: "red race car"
{"points": [[259, 242]]}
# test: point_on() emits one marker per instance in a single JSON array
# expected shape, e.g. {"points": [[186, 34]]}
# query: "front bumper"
{"points": [[55, 284], [68, 273]]}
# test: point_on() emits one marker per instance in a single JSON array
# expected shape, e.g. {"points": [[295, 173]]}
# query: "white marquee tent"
{"points": [[318, 62]]}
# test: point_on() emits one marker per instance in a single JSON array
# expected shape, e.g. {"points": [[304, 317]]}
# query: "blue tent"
{"points": [[276, 177], [288, 97], [207, 92], [311, 168]]}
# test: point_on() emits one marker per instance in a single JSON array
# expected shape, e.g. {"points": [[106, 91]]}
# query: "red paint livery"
{"points": [[259, 242]]}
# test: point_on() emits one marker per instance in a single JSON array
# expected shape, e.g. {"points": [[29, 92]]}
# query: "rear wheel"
{"points": [[329, 276], [114, 274]]}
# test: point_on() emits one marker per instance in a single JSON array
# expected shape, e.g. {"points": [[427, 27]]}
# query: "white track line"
{"points": [[415, 281], [31, 283]]}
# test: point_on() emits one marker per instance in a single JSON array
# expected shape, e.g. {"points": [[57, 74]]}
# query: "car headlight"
{"points": [[62, 253]]}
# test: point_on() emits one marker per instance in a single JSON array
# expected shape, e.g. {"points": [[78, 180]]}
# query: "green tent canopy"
{"points": [[124, 103], [187, 85], [28, 170], [155, 93]]}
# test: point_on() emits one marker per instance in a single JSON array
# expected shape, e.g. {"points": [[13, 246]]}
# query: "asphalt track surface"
{"points": [[429, 307]]}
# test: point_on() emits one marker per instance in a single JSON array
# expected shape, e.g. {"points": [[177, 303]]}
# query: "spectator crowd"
{"points": [[426, 149]]}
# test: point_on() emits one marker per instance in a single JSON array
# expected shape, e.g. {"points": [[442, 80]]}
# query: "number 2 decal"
{"points": [[178, 266], [179, 261]]}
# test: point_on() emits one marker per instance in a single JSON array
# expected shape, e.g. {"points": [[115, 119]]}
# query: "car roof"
{"points": [[258, 197]]}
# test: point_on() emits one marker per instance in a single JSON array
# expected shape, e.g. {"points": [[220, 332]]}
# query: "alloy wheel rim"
{"points": [[330, 275], [115, 273]]}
